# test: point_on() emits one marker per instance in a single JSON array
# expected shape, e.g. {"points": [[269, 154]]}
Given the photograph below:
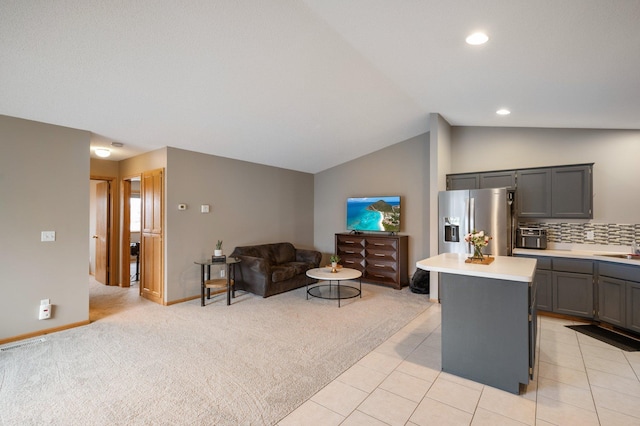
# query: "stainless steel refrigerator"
{"points": [[462, 211]]}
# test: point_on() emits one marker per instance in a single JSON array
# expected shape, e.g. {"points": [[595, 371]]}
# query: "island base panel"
{"points": [[485, 330]]}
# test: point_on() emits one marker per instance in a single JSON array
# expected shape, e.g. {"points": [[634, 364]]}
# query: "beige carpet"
{"points": [[250, 363]]}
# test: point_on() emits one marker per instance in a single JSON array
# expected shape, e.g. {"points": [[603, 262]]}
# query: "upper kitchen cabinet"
{"points": [[504, 179], [571, 194], [555, 192], [501, 179], [463, 181], [563, 192], [534, 193]]}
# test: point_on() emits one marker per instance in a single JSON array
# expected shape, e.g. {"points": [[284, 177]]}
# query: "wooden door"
{"points": [[102, 233], [151, 241]]}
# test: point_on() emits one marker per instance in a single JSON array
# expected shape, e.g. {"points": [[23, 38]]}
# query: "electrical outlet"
{"points": [[45, 309], [590, 235], [222, 273]]}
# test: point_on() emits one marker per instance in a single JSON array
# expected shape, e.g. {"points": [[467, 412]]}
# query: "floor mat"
{"points": [[607, 336]]}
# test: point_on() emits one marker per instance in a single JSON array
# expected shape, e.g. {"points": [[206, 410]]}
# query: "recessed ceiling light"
{"points": [[503, 111], [477, 38], [102, 152]]}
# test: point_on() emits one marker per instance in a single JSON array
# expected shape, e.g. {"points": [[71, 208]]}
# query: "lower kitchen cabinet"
{"points": [[612, 301], [567, 286], [633, 306], [564, 286], [544, 291], [573, 294], [619, 301]]}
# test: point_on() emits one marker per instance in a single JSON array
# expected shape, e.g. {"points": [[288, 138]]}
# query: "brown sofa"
{"points": [[269, 269]]}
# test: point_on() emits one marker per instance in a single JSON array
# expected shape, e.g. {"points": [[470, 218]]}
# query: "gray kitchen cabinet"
{"points": [[563, 192], [612, 301], [572, 287], [573, 294], [503, 179], [571, 193], [534, 193], [618, 285], [499, 179], [542, 282], [463, 181], [633, 306], [544, 292]]}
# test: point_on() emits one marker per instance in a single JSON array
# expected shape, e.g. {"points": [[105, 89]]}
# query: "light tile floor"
{"points": [[578, 380]]}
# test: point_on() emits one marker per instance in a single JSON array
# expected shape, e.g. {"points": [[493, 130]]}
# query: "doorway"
{"points": [[131, 221]]}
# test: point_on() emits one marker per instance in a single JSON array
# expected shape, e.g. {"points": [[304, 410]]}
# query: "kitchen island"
{"points": [[488, 318]]}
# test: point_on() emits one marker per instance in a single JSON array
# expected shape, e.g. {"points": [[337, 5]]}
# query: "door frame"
{"points": [[125, 280], [112, 244]]}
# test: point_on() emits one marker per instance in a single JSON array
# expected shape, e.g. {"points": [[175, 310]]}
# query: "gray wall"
{"points": [[249, 204], [616, 172], [401, 169], [44, 186]]}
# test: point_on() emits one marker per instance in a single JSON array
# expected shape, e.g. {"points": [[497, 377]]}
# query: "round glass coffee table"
{"points": [[334, 291]]}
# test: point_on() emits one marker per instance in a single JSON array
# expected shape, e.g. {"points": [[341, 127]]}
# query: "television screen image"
{"points": [[379, 214]]}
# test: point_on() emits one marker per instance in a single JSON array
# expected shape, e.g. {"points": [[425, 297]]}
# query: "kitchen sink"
{"points": [[623, 256]]}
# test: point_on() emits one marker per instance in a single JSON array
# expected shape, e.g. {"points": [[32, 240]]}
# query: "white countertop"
{"points": [[577, 254], [502, 268]]}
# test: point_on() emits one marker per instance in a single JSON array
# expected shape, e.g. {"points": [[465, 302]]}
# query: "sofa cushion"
{"points": [[300, 267], [283, 253], [282, 273]]}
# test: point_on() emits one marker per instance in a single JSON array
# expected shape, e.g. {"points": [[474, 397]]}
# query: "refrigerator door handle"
{"points": [[472, 215]]}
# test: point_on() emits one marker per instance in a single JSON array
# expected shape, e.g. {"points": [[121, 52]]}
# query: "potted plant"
{"points": [[334, 259], [218, 250]]}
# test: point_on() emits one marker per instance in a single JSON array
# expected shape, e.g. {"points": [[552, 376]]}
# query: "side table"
{"points": [[217, 283]]}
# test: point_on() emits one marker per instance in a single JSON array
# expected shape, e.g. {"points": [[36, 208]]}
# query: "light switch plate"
{"points": [[204, 208], [48, 236]]}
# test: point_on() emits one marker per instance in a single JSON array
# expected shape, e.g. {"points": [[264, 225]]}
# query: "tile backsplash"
{"points": [[575, 233]]}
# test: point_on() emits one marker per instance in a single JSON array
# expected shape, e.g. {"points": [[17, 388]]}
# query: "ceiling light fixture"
{"points": [[477, 38], [116, 144], [503, 111], [102, 152]]}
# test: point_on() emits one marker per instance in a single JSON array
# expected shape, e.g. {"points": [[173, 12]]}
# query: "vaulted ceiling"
{"points": [[309, 84]]}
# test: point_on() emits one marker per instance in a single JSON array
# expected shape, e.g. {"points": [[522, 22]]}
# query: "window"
{"points": [[136, 213]]}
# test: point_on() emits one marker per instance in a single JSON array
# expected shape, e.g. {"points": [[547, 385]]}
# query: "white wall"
{"points": [[44, 186], [616, 154]]}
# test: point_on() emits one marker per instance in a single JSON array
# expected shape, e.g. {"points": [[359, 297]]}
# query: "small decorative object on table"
{"points": [[334, 259], [218, 250], [479, 240]]}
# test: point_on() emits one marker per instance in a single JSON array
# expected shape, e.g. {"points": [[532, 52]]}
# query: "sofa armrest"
{"points": [[254, 269], [309, 256]]}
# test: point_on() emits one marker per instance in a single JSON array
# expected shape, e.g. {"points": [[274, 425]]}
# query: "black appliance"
{"points": [[533, 238]]}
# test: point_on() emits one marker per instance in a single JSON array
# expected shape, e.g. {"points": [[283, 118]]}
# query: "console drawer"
{"points": [[380, 276], [381, 244], [376, 254], [353, 262], [380, 266]]}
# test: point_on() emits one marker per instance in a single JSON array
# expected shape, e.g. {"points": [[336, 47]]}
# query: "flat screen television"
{"points": [[373, 214]]}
